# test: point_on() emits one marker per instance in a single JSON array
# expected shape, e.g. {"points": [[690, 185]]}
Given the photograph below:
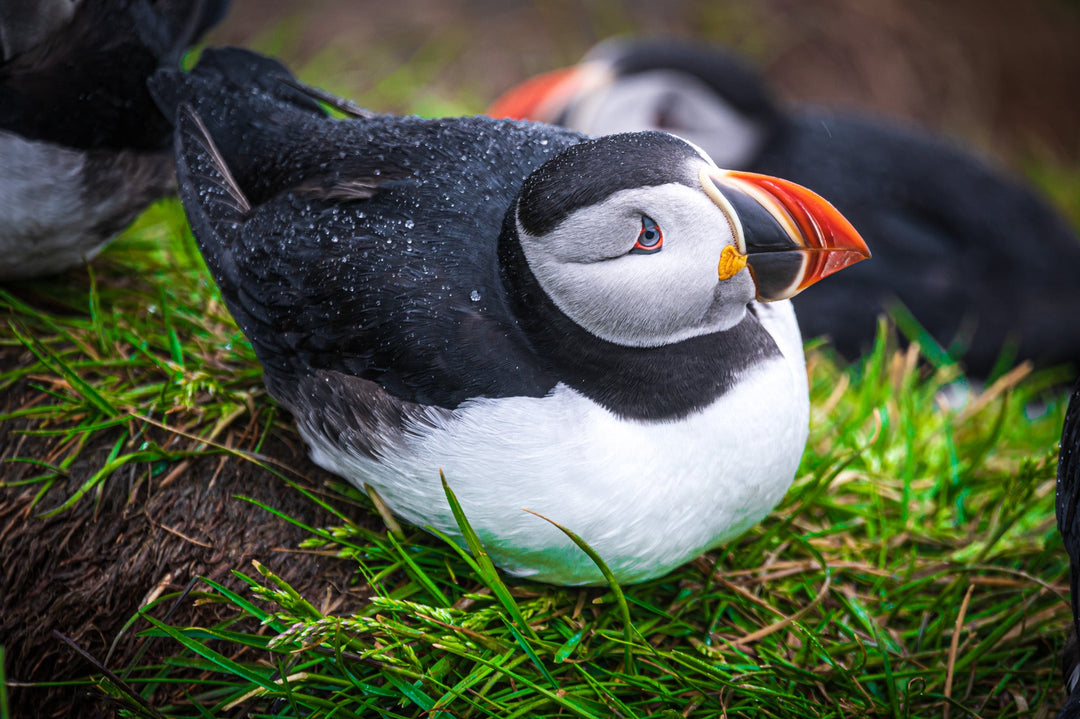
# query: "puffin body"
{"points": [[82, 143], [560, 324], [979, 260], [647, 494]]}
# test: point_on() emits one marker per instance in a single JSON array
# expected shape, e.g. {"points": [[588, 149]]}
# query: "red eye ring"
{"points": [[650, 240]]}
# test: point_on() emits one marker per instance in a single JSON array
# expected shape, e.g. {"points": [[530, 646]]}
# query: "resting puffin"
{"points": [[561, 324], [83, 146], [975, 255], [1068, 518]]}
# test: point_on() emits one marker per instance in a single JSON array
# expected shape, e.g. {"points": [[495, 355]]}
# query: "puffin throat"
{"points": [[667, 382]]}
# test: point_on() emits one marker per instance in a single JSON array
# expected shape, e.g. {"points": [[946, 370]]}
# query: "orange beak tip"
{"points": [[834, 261]]}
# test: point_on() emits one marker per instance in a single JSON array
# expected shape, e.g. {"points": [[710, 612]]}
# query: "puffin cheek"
{"points": [[739, 288], [679, 301], [729, 300]]}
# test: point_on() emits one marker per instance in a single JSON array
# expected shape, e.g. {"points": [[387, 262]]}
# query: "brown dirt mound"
{"points": [[85, 572]]}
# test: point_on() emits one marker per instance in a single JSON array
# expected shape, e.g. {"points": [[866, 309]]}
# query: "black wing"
{"points": [[366, 247], [1068, 518], [1068, 491]]}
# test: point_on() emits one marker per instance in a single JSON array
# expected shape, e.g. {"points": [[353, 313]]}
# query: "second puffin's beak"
{"points": [[789, 236], [544, 98]]}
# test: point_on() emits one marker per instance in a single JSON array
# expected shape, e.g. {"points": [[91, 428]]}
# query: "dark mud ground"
{"points": [[998, 74], [85, 572]]}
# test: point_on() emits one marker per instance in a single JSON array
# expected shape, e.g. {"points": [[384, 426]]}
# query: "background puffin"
{"points": [[561, 324], [1068, 518], [83, 146], [977, 257]]}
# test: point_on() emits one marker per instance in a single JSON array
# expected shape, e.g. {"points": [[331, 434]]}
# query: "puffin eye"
{"points": [[650, 239]]}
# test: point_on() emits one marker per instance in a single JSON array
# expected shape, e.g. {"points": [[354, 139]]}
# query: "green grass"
{"points": [[156, 342], [5, 711], [914, 566], [913, 570]]}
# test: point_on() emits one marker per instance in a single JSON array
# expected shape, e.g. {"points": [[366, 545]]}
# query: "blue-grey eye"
{"points": [[650, 239]]}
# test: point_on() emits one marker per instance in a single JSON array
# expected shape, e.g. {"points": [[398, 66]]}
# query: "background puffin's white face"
{"points": [[674, 102], [586, 267]]}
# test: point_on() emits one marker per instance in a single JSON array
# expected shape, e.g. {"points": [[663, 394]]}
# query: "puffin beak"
{"points": [[789, 236], [543, 98]]}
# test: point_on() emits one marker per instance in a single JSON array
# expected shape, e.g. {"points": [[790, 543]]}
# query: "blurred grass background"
{"points": [[1000, 76]]}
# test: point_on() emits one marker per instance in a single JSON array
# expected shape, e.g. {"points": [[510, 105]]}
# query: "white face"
{"points": [[671, 101], [642, 300]]}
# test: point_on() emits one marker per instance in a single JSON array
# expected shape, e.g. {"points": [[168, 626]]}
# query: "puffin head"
{"points": [[641, 240], [699, 92]]}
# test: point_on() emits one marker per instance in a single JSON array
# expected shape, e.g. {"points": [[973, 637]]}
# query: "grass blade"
{"points": [[484, 566]]}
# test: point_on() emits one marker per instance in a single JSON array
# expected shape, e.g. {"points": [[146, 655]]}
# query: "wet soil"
{"points": [[149, 531]]}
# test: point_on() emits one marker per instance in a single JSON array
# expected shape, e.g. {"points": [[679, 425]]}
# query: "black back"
{"points": [[324, 274]]}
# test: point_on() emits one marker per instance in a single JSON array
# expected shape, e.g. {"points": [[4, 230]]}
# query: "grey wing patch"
{"points": [[357, 414], [58, 205], [124, 184], [356, 180], [343, 189]]}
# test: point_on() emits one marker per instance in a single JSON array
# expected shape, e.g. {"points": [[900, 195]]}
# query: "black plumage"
{"points": [[1068, 518], [84, 86], [547, 199], [319, 282], [83, 144]]}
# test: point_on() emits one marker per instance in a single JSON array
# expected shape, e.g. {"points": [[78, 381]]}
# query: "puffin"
{"points": [[83, 146], [980, 261], [592, 330], [1067, 506]]}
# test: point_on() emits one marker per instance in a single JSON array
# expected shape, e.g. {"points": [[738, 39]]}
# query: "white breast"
{"points": [[647, 495]]}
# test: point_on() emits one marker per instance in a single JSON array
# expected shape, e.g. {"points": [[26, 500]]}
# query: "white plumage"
{"points": [[648, 495]]}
